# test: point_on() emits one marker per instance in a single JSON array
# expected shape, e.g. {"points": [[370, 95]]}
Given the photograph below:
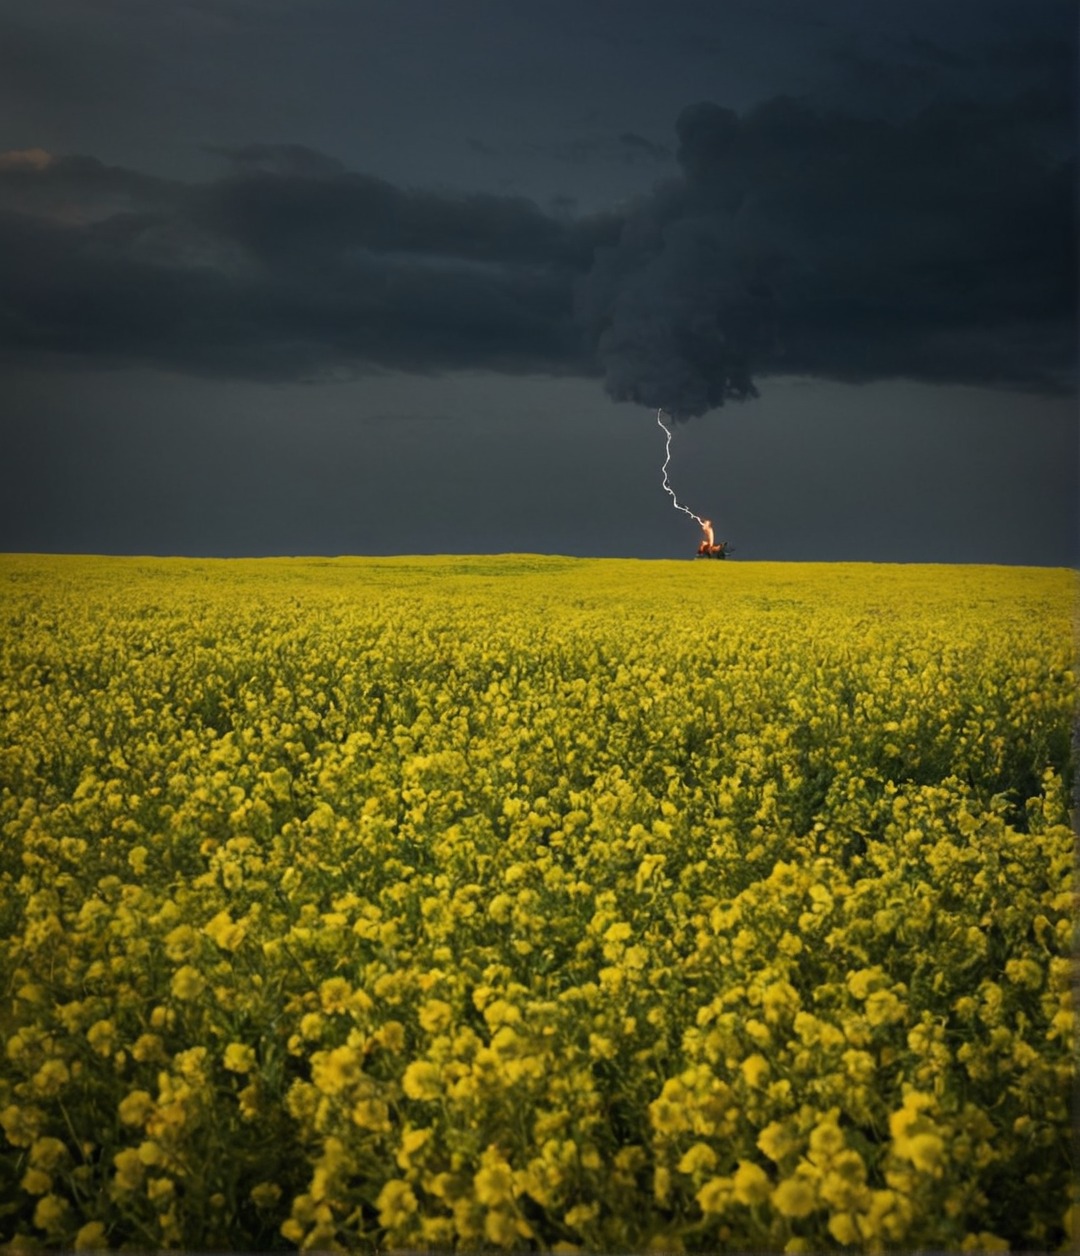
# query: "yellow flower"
{"points": [[192, 1063], [437, 1232], [181, 943], [36, 1182], [780, 1000], [335, 1071], [499, 1012], [422, 1080], [883, 1008], [411, 1142], [151, 1153], [751, 1183], [50, 1214], [334, 995], [239, 1057], [494, 1182], [984, 1241], [1024, 972], [225, 932], [135, 1107], [359, 1004], [755, 1068], [843, 1228], [391, 1036], [129, 1169], [777, 1141], [504, 1229], [435, 1016], [826, 1139], [148, 1047], [91, 1237], [311, 1026], [700, 1158], [758, 1031], [163, 1017], [21, 1125], [47, 1153], [915, 1136], [601, 1047], [500, 907], [858, 1065], [843, 1186], [187, 983], [925, 1151], [372, 1114], [865, 980], [396, 1204], [265, 1194], [72, 1015], [248, 1101], [618, 932], [668, 1118], [51, 1078], [160, 1190], [794, 1197], [102, 1037], [581, 1215], [715, 1195]]}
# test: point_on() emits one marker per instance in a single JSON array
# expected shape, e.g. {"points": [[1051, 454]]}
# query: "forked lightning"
{"points": [[705, 525]]}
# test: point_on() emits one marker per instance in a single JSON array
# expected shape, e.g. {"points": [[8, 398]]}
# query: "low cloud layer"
{"points": [[288, 266], [937, 247]]}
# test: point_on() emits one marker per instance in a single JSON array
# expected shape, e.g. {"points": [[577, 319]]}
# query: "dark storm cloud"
{"points": [[938, 248], [628, 148], [288, 267], [284, 159], [798, 239], [639, 146]]}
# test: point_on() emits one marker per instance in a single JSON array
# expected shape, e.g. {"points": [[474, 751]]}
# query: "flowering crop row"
{"points": [[535, 903]]}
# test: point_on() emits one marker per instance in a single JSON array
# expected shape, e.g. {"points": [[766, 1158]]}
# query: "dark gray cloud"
{"points": [[283, 159], [597, 148], [635, 146], [797, 239], [803, 241], [287, 267]]}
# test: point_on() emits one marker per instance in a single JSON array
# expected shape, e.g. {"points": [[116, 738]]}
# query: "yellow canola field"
{"points": [[535, 903]]}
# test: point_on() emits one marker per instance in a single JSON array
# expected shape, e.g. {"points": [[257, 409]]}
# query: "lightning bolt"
{"points": [[667, 487]]}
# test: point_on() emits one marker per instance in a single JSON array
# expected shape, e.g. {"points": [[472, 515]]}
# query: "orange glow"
{"points": [[25, 159]]}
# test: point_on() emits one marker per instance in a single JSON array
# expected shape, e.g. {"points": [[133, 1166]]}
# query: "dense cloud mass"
{"points": [[286, 267], [937, 247]]}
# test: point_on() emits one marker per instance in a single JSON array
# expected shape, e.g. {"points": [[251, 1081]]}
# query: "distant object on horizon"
{"points": [[709, 548]]}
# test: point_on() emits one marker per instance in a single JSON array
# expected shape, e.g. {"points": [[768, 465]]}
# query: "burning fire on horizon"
{"points": [[709, 547]]}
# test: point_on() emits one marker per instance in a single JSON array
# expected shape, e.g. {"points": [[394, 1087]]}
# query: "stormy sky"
{"points": [[321, 277]]}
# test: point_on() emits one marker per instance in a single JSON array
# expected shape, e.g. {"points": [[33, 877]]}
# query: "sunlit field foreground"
{"points": [[532, 903]]}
